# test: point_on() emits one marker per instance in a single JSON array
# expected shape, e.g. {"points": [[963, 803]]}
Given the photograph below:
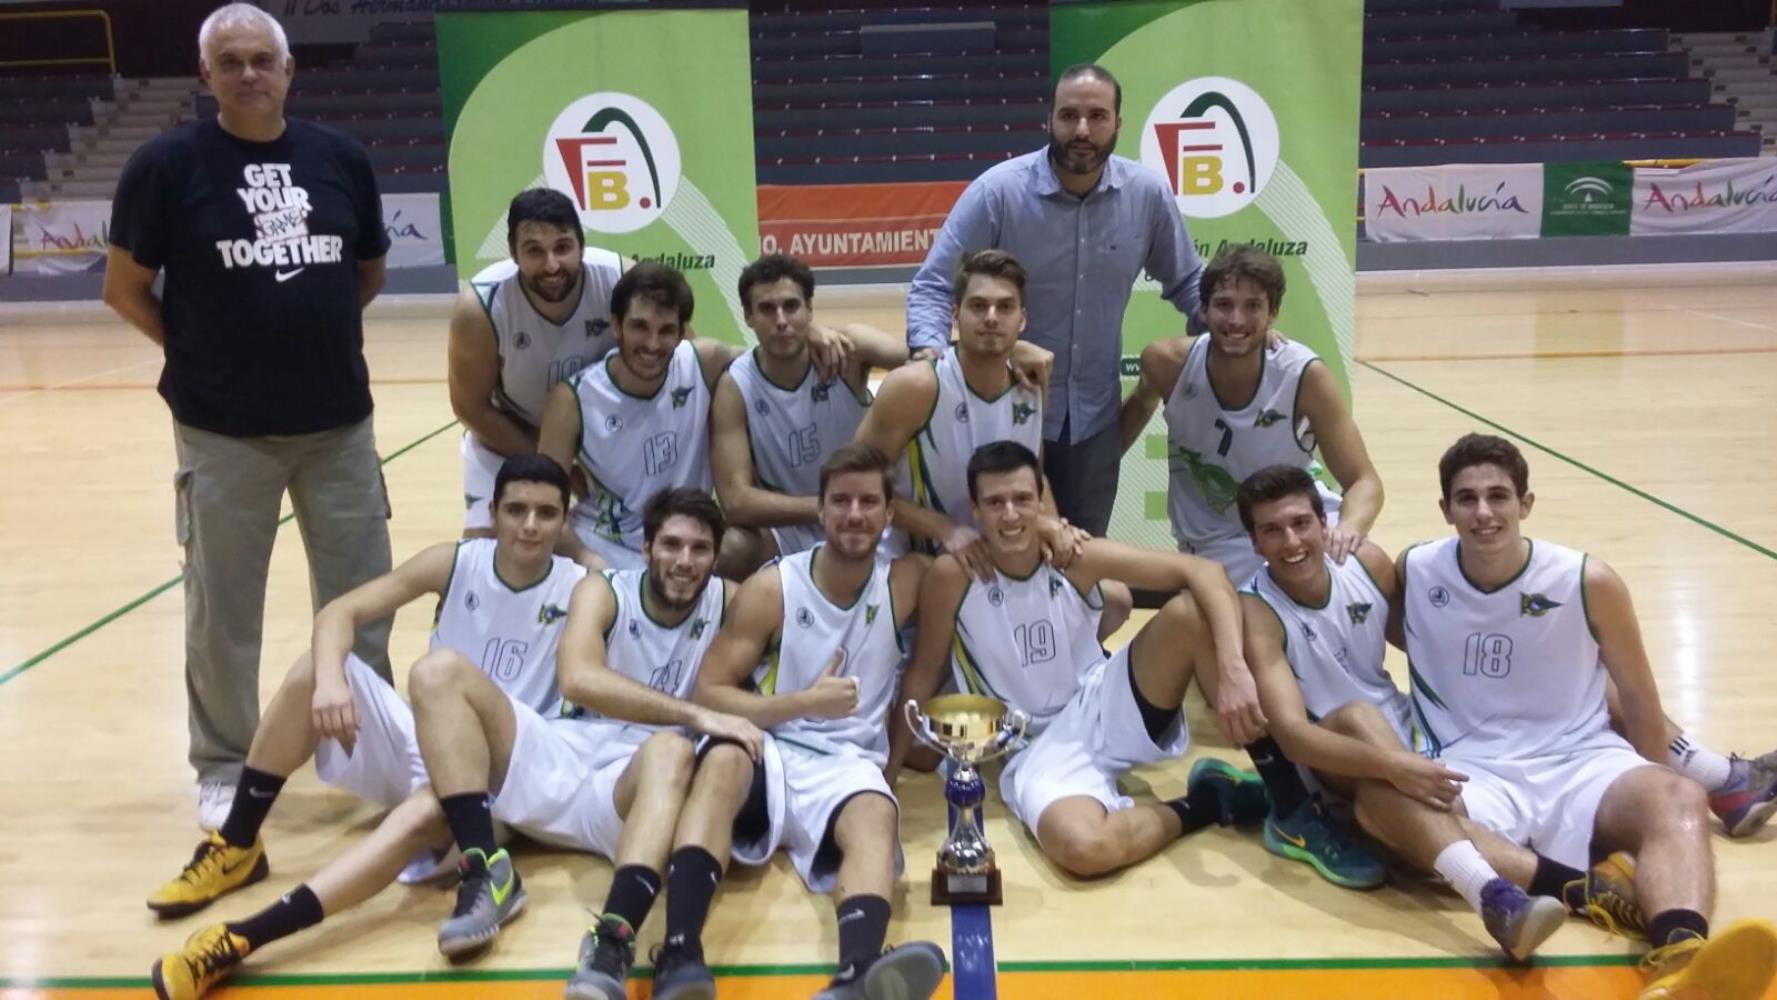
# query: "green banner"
{"points": [[1249, 109], [658, 157], [1587, 199]]}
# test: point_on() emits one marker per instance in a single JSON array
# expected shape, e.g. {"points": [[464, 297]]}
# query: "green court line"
{"points": [[167, 585], [753, 971], [1576, 463]]}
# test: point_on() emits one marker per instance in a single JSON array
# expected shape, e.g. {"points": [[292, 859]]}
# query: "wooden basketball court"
{"points": [[1644, 401]]}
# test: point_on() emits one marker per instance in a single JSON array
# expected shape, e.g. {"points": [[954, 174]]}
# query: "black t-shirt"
{"points": [[260, 242]]}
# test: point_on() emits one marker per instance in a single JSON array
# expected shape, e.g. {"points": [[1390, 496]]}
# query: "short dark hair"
{"points": [[1002, 456], [770, 269], [682, 500], [1484, 449], [1276, 482], [1242, 260], [992, 263], [858, 457], [1096, 72], [664, 286], [545, 205], [532, 467]]}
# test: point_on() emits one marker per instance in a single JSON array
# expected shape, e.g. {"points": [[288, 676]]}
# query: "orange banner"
{"points": [[855, 225]]}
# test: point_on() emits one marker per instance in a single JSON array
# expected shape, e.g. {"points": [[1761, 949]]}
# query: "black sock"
{"points": [[1672, 926], [253, 797], [299, 909], [1555, 879], [633, 891], [471, 819], [692, 875], [1159, 722], [1200, 808], [1282, 781], [863, 927]]}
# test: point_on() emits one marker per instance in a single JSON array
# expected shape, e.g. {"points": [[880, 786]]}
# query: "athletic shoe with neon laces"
{"points": [[490, 895], [208, 957], [1309, 835], [679, 973], [1241, 793], [216, 869], [1607, 897], [607, 953], [912, 971], [1737, 964], [1749, 798], [1519, 922]]}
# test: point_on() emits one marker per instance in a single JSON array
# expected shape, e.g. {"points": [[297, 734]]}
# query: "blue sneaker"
{"points": [[1241, 793], [1519, 922], [1310, 835], [1749, 798]]}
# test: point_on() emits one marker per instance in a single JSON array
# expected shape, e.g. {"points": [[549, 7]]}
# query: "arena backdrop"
{"points": [[1249, 109]]}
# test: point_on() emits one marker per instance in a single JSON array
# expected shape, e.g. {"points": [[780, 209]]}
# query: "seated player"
{"points": [[521, 326], [1509, 642], [1315, 633], [1238, 400], [1028, 636], [609, 775], [812, 653], [499, 611]]}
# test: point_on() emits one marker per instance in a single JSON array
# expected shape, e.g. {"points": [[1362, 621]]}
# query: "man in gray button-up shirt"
{"points": [[1084, 223]]}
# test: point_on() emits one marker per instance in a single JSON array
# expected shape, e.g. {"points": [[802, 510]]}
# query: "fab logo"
{"points": [[1215, 141], [616, 157]]}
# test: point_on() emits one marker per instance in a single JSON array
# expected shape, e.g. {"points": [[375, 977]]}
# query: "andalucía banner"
{"points": [[1249, 109], [657, 153]]}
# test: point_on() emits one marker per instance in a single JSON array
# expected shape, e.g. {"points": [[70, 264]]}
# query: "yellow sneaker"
{"points": [[208, 957], [1608, 896], [216, 869], [1737, 964]]}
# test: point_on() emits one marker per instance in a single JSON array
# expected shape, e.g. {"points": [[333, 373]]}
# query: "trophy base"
{"points": [[953, 889]]}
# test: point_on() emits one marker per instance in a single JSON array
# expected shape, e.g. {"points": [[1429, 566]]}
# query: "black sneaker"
{"points": [[607, 953], [679, 973]]}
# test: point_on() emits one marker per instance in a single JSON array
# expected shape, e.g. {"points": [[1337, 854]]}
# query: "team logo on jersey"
{"points": [[996, 596], [1535, 605], [1215, 141], [470, 601], [1054, 586], [761, 407], [819, 392], [1190, 390], [616, 157], [1358, 612], [549, 614], [522, 340], [470, 500], [679, 397], [635, 629], [1022, 412], [597, 327], [613, 424], [1267, 418], [962, 413], [803, 618], [697, 625], [1439, 597], [870, 614], [1308, 631]]}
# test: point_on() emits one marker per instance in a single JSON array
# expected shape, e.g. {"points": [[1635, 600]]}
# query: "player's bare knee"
{"points": [[726, 763], [1686, 804], [1181, 615], [865, 819], [1084, 851], [438, 674], [1358, 719], [420, 820], [669, 756]]}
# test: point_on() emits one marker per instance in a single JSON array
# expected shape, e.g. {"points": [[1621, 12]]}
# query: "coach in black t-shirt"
{"points": [[270, 234]]}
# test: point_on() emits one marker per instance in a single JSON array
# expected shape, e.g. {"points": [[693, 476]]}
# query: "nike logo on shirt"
{"points": [[284, 276]]}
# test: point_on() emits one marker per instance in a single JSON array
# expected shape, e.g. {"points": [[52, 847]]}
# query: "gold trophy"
{"points": [[969, 729]]}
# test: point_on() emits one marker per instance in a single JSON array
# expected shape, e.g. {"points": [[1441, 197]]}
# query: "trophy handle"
{"points": [[920, 724], [1011, 733]]}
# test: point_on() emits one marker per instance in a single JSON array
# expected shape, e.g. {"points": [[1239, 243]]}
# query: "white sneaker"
{"points": [[214, 800], [430, 866]]}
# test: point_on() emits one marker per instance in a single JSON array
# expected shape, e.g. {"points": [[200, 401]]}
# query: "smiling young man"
{"points": [[521, 326], [1511, 642]]}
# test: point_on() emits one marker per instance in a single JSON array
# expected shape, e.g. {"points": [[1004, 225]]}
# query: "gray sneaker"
{"points": [[490, 895], [606, 954], [679, 973], [911, 971]]}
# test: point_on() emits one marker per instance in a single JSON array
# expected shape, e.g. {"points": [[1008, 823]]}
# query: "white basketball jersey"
{"points": [[1508, 673], [960, 422], [536, 353], [1335, 650], [792, 430], [511, 633], [1027, 642], [664, 657], [1210, 449], [634, 446], [861, 633]]}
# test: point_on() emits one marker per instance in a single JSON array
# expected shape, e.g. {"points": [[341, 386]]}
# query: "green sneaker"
{"points": [[1311, 836], [1241, 793]]}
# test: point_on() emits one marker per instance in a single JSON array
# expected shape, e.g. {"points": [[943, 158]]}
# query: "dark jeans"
{"points": [[1084, 476]]}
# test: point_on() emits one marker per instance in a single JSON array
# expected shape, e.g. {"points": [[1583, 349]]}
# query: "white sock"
{"points": [[1462, 866], [1699, 763]]}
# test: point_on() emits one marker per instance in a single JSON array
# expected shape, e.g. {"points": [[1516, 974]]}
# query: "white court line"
{"points": [[18, 394], [1726, 319]]}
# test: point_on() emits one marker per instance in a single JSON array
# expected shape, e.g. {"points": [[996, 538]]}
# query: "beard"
{"points": [[666, 600], [1079, 161], [541, 291]]}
